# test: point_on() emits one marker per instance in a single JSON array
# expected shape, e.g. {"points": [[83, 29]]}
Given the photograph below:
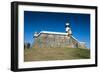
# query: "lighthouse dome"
{"points": [[67, 24]]}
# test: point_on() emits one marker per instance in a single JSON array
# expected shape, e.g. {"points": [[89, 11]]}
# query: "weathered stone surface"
{"points": [[56, 40]]}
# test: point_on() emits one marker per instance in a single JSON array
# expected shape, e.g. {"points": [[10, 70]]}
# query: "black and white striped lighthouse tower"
{"points": [[68, 29]]}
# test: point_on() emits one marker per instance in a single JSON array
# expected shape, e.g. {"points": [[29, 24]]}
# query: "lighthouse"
{"points": [[68, 29]]}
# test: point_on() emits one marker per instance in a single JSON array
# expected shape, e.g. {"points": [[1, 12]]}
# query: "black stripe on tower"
{"points": [[67, 25]]}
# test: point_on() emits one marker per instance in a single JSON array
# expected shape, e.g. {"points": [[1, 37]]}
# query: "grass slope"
{"points": [[44, 54]]}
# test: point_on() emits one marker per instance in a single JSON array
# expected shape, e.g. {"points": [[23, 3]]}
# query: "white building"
{"points": [[57, 39]]}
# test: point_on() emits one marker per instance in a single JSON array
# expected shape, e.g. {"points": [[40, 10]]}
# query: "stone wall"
{"points": [[54, 40]]}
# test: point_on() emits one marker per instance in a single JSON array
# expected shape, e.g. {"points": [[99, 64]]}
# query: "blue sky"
{"points": [[50, 21]]}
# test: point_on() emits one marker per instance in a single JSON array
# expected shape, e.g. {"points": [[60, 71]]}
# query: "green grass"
{"points": [[44, 54]]}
